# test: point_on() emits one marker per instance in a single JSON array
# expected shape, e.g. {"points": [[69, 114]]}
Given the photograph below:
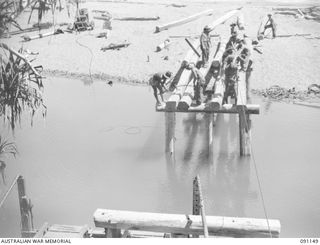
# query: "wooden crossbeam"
{"points": [[226, 108], [185, 224]]}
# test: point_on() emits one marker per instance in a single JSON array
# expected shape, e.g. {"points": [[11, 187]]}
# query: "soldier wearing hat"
{"points": [[205, 45], [198, 82], [270, 24], [157, 82]]}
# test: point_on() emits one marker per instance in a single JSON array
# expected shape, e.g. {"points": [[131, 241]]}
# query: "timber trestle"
{"points": [[214, 90]]}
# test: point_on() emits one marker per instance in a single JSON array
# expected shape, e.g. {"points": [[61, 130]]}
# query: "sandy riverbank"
{"points": [[287, 62]]}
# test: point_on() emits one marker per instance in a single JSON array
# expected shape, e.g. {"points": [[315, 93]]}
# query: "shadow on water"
{"points": [[220, 167]]}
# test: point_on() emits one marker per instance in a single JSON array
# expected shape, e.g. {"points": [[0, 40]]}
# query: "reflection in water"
{"points": [[82, 147], [231, 177], [191, 128], [267, 105]]}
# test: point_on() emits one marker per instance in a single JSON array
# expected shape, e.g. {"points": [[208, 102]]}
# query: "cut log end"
{"points": [[171, 106], [182, 106]]}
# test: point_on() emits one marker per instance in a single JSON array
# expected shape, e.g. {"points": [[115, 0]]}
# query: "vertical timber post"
{"points": [[195, 200], [112, 233], [24, 208], [170, 121], [209, 121], [244, 131], [198, 205]]}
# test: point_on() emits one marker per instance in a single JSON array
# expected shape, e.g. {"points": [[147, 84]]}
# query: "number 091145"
{"points": [[308, 240]]}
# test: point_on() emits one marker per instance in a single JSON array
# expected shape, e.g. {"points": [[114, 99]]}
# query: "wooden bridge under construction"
{"points": [[125, 224], [182, 97]]}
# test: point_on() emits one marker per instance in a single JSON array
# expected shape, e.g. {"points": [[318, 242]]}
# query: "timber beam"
{"points": [[226, 108], [186, 224]]}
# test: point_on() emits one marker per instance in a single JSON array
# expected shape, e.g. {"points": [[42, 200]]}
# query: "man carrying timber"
{"points": [[205, 45], [198, 82], [157, 82], [270, 24], [230, 77]]}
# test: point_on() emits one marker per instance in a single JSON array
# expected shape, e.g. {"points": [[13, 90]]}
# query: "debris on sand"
{"points": [[138, 18], [163, 45], [276, 92], [177, 5], [311, 13], [102, 35], [27, 38], [113, 46], [314, 88]]}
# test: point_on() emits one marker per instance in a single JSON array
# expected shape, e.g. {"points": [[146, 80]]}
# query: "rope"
{"points": [[8, 191], [257, 174], [90, 50]]}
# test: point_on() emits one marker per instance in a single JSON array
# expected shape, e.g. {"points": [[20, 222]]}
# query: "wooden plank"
{"points": [[178, 223], [184, 20], [226, 108]]}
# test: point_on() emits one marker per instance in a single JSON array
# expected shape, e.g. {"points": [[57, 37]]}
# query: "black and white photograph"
{"points": [[159, 119]]}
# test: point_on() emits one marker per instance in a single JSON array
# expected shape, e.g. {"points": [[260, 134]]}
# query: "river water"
{"points": [[102, 146]]}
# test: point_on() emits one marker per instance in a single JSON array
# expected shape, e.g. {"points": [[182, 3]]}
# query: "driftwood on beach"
{"points": [[51, 33], [137, 18], [183, 21], [113, 46]]}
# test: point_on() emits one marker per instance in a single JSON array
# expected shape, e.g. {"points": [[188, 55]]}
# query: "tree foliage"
{"points": [[7, 13], [20, 89]]}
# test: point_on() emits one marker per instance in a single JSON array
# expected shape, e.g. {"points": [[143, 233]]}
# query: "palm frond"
{"points": [[20, 89]]}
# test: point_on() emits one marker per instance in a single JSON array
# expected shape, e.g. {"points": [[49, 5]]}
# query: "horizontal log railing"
{"points": [[226, 108], [185, 224]]}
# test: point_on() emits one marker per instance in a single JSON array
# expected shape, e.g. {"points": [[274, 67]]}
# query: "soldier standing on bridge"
{"points": [[198, 82], [205, 45], [270, 24]]}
